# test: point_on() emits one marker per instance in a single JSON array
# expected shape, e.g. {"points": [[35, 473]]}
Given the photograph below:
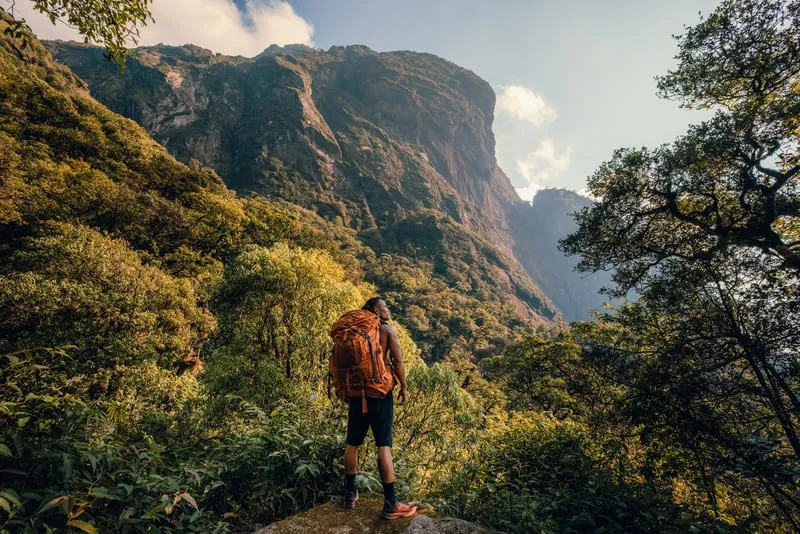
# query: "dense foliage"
{"points": [[535, 473], [163, 343], [705, 229]]}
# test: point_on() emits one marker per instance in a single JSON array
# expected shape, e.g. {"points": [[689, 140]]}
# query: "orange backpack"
{"points": [[357, 366]]}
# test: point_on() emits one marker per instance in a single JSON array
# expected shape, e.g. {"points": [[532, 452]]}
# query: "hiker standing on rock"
{"points": [[365, 343]]}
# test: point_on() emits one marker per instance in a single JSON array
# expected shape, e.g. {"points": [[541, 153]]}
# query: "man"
{"points": [[379, 416]]}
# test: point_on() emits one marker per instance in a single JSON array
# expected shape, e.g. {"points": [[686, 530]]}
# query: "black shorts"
{"points": [[379, 417]]}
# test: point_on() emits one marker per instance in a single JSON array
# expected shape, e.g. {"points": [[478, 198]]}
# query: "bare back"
{"points": [[392, 352]]}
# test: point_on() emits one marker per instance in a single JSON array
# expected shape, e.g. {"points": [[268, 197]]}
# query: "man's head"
{"points": [[378, 306]]}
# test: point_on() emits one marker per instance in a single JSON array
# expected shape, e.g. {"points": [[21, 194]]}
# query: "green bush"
{"points": [[66, 464], [290, 460], [533, 473]]}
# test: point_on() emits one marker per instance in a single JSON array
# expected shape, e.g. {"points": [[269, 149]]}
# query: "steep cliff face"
{"points": [[370, 140], [350, 132]]}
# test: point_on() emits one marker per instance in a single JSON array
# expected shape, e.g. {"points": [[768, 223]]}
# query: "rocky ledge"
{"points": [[330, 518]]}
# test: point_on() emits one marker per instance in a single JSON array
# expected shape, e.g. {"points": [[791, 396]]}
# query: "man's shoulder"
{"points": [[388, 328]]}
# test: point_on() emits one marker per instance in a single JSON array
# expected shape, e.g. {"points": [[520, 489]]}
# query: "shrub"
{"points": [[533, 473]]}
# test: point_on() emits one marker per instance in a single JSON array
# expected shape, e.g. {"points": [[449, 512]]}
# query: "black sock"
{"points": [[388, 493], [350, 483]]}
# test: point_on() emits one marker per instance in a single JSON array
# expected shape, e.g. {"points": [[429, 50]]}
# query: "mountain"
{"points": [[350, 132], [383, 143], [118, 266], [575, 294]]}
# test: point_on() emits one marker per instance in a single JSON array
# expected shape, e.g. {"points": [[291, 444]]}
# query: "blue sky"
{"points": [[574, 78]]}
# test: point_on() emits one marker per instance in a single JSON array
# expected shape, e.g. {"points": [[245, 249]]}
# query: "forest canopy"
{"points": [[706, 230]]}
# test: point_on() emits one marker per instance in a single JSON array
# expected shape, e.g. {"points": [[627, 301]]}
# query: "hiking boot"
{"points": [[398, 510], [350, 498]]}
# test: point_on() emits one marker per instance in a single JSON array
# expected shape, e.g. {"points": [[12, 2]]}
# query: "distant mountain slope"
{"points": [[365, 139], [575, 294]]}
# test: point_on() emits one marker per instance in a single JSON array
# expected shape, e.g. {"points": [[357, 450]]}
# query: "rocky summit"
{"points": [[365, 139], [365, 519], [352, 132]]}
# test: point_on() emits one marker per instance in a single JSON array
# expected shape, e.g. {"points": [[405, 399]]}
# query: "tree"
{"points": [[112, 23], [708, 361], [440, 422], [75, 286], [550, 375], [706, 230], [730, 181], [534, 473], [275, 306]]}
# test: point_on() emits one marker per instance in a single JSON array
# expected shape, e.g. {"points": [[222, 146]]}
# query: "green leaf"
{"points": [[5, 505], [11, 495], [82, 525], [53, 503], [102, 493], [14, 472], [126, 514], [66, 466], [5, 450]]}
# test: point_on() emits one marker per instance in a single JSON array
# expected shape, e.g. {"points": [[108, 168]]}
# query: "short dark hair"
{"points": [[371, 303]]}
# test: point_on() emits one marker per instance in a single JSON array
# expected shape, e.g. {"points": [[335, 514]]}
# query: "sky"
{"points": [[574, 78]]}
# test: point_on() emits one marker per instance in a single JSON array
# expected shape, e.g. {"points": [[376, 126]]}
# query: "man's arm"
{"points": [[396, 354]]}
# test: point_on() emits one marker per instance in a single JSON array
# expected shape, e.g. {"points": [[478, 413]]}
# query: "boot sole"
{"points": [[398, 515]]}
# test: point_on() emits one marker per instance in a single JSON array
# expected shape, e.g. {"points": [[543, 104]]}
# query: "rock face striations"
{"points": [[363, 138], [350, 132]]}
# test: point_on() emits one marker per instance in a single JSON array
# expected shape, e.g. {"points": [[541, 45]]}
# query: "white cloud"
{"points": [[585, 193], [521, 103], [542, 166], [528, 192], [214, 24]]}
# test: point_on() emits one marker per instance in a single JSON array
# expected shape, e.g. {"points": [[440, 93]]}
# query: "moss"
{"points": [[365, 517]]}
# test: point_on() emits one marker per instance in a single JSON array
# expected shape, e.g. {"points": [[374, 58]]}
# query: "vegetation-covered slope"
{"points": [[124, 277], [162, 342], [364, 139]]}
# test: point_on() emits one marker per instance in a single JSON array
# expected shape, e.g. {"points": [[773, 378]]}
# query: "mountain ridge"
{"points": [[361, 137], [409, 144]]}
